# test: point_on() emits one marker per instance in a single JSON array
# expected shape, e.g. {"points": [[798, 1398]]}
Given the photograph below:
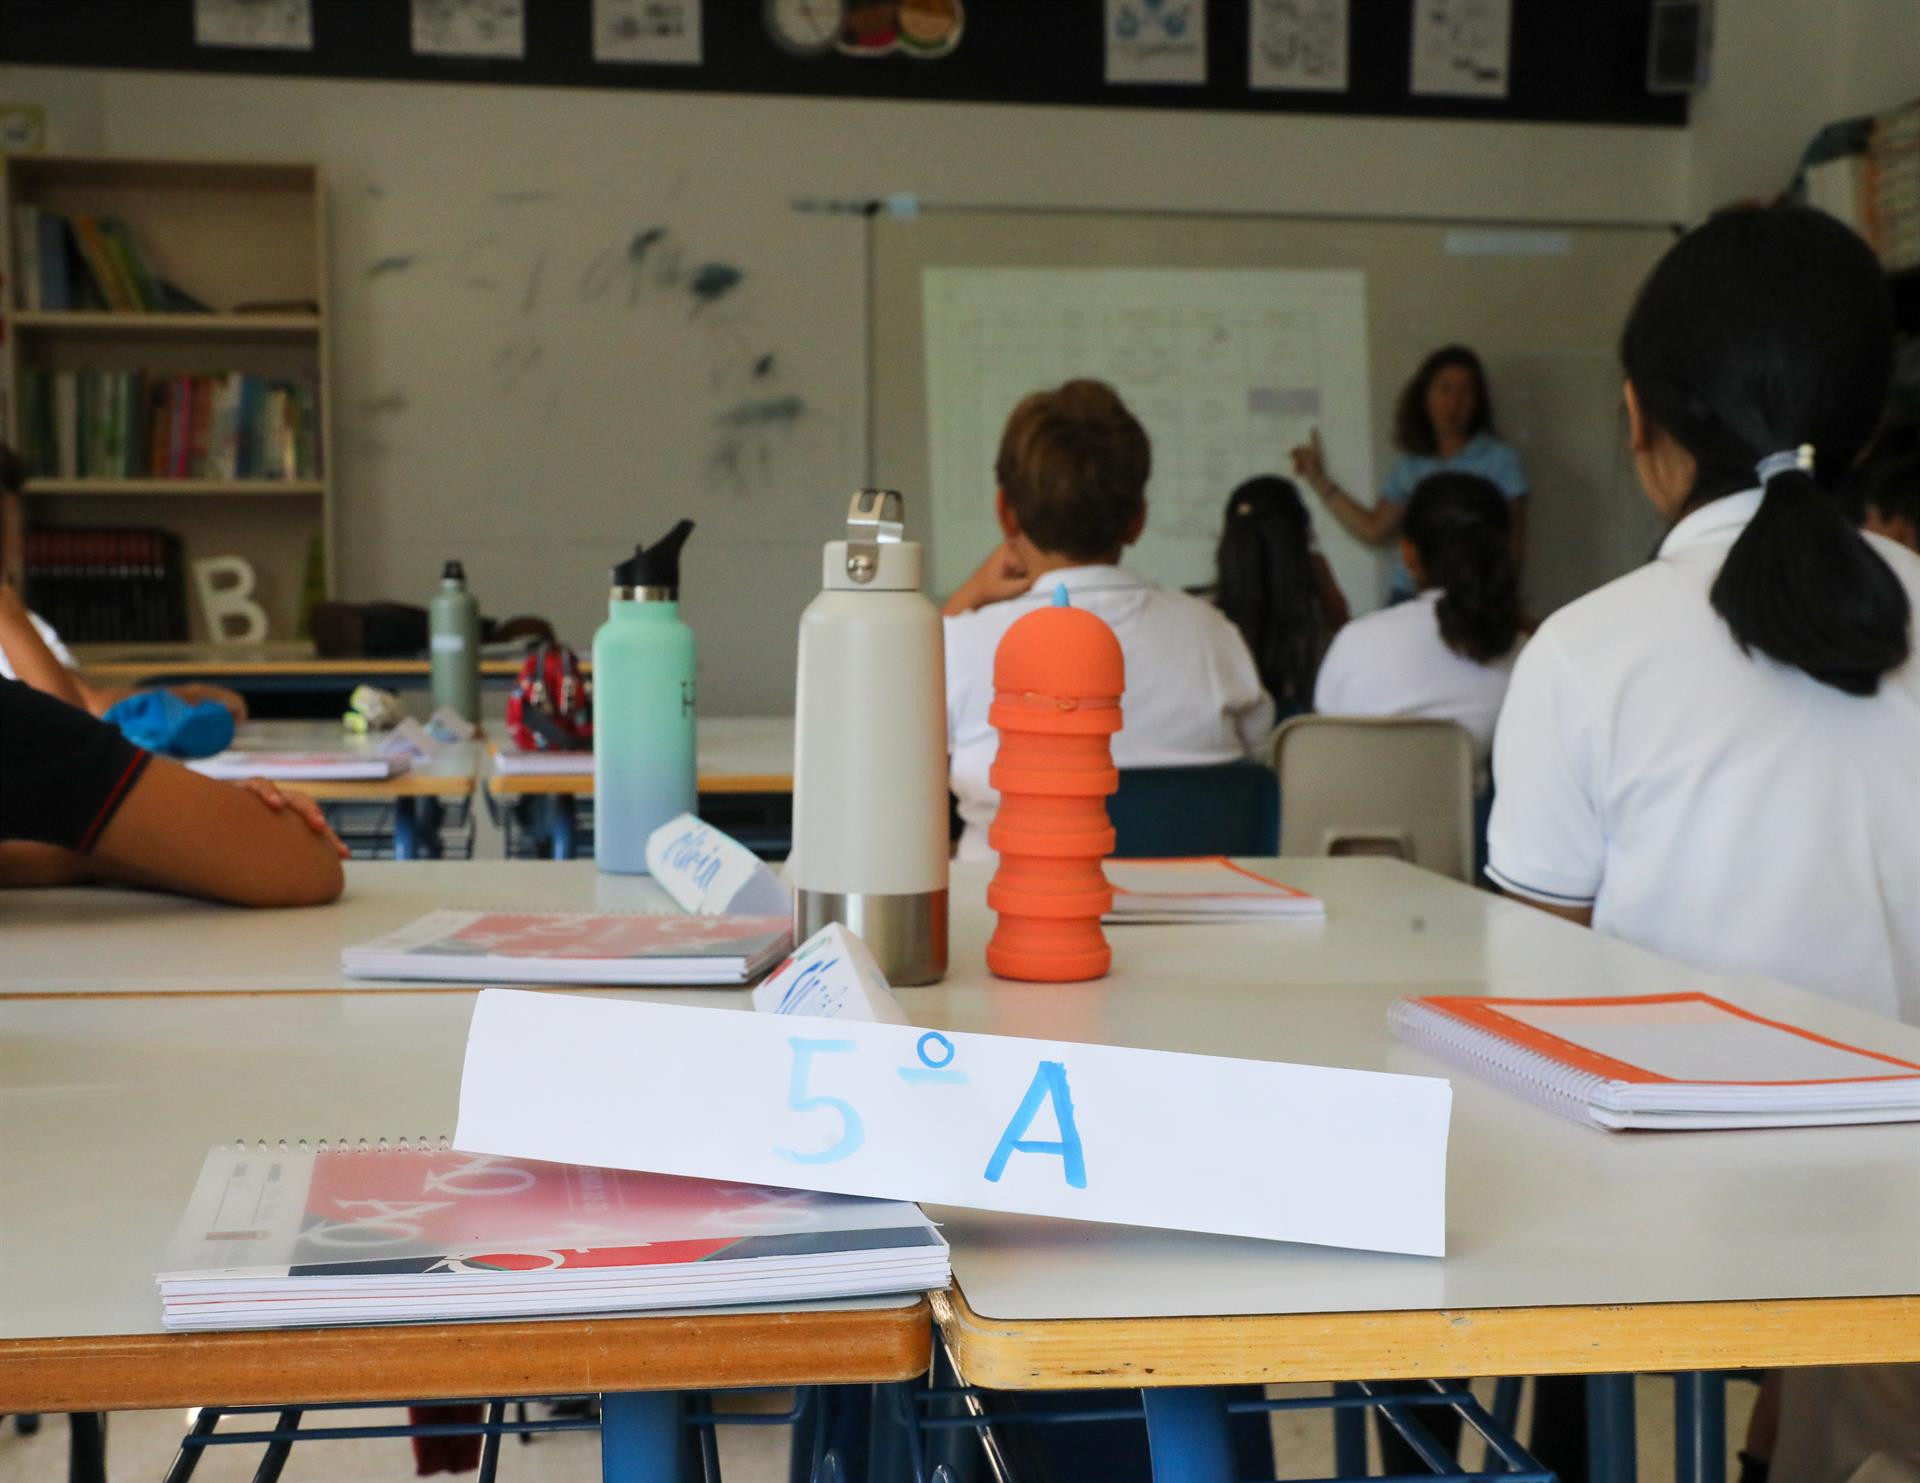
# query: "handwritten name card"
{"points": [[832, 975], [710, 873], [1093, 1132]]}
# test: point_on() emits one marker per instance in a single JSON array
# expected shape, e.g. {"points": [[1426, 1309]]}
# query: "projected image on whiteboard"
{"points": [[1227, 369]]}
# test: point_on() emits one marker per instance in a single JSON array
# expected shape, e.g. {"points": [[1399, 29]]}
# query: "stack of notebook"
{"points": [[311, 767], [1662, 1061], [1212, 890], [574, 947], [281, 1238]]}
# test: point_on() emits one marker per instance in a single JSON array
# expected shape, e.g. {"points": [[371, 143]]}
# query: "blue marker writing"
{"points": [[927, 1049], [1049, 1080], [852, 1131]]}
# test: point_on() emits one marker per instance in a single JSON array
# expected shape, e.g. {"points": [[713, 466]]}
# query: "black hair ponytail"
{"points": [[1266, 586], [1461, 530], [1761, 331]]}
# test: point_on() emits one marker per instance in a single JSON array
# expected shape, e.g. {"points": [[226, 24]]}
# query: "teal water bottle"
{"points": [[453, 623], [643, 763]]}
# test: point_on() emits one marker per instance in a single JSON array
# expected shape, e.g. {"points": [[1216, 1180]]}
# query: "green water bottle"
{"points": [[643, 760], [453, 623]]}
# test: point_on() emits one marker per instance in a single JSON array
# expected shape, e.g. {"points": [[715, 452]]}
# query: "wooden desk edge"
{"points": [[445, 1361], [1270, 1349], [380, 790], [580, 785]]}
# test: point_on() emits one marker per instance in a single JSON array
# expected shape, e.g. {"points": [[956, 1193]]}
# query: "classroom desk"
{"points": [[1570, 1251], [106, 940], [109, 1107], [289, 667], [734, 755], [417, 796]]}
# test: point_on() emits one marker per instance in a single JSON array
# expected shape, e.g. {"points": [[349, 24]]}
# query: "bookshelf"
{"points": [[230, 235]]}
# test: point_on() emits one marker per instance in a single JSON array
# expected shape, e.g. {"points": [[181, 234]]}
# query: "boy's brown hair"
{"points": [[1074, 464]]}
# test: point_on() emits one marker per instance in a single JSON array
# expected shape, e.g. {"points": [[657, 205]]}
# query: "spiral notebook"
{"points": [[414, 1232], [312, 767], [574, 947], [1662, 1061]]}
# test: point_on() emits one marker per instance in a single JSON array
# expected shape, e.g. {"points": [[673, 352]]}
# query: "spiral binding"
{"points": [[437, 1143], [1540, 1079]]}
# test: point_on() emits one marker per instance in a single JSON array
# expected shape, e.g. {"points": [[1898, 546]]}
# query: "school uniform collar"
{"points": [[1094, 578], [1720, 521]]}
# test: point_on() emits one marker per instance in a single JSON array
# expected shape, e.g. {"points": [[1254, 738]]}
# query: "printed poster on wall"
{"points": [[1297, 45], [1156, 41], [1460, 48], [470, 28], [277, 25], [655, 31]]}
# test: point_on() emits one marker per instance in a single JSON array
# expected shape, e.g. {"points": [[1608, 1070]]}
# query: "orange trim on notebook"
{"points": [[1485, 1014], [1220, 860]]}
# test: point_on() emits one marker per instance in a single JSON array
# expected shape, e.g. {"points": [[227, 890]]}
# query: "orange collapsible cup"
{"points": [[1058, 676]]}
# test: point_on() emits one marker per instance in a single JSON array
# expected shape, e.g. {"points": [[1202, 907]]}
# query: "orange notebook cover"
{"points": [[1686, 1060]]}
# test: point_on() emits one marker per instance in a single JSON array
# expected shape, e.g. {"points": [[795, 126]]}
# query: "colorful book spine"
{"points": [[129, 425]]}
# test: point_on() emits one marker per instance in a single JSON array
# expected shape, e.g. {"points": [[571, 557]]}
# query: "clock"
{"points": [[806, 28]]}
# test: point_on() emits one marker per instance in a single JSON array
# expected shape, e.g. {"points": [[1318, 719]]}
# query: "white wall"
{"points": [[1783, 68], [536, 445]]}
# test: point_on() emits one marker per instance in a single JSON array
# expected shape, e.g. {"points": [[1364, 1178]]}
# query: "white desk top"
{"points": [[99, 940]]}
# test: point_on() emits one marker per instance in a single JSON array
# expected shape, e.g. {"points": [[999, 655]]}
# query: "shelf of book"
{"points": [[247, 488], [125, 322], [128, 285]]}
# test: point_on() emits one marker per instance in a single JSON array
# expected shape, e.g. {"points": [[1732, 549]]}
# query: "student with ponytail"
{"points": [[1450, 651], [1277, 589], [1714, 756]]}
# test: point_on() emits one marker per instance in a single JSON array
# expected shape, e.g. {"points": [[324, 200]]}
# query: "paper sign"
{"points": [[1460, 48], [831, 976], [1297, 44], [711, 874], [1156, 41], [658, 31], [1091, 1132]]}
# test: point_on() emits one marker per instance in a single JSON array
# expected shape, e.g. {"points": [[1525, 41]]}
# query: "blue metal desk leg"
{"points": [[1187, 1435], [1611, 1457], [1700, 1427], [1349, 1436], [560, 825], [428, 817], [641, 1437], [406, 835]]}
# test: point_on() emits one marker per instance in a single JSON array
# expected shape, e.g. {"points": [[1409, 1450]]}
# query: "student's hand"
{"points": [[996, 579], [219, 694], [1310, 464], [309, 811]]}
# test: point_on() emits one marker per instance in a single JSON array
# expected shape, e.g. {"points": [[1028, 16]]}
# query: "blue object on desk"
{"points": [[165, 724], [1232, 808]]}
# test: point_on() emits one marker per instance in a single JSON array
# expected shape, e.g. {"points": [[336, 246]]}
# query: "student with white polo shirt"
{"points": [[1718, 756], [1449, 652], [1072, 472]]}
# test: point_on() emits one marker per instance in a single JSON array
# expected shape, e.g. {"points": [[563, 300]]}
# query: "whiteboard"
{"points": [[1226, 369], [1542, 304]]}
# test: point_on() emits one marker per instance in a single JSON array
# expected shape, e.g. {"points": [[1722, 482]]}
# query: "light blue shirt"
{"points": [[1484, 454]]}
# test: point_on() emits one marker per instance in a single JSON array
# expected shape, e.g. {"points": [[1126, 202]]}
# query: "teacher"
{"points": [[1443, 421]]}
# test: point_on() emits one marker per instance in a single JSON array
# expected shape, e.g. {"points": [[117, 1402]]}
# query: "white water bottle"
{"points": [[870, 751]]}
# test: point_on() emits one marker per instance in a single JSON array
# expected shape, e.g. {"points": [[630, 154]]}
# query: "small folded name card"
{"points": [[831, 976], [1039, 1127], [711, 874]]}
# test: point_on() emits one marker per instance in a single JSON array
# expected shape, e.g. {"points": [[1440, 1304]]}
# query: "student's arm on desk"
{"points": [[1580, 916], [250, 845]]}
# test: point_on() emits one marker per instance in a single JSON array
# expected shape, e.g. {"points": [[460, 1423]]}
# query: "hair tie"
{"points": [[1786, 461]]}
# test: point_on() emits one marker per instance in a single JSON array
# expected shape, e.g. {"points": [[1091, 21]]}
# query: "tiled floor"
{"points": [[141, 1444]]}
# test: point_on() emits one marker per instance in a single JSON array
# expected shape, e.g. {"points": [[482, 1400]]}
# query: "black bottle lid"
{"points": [[453, 572], [657, 565]]}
